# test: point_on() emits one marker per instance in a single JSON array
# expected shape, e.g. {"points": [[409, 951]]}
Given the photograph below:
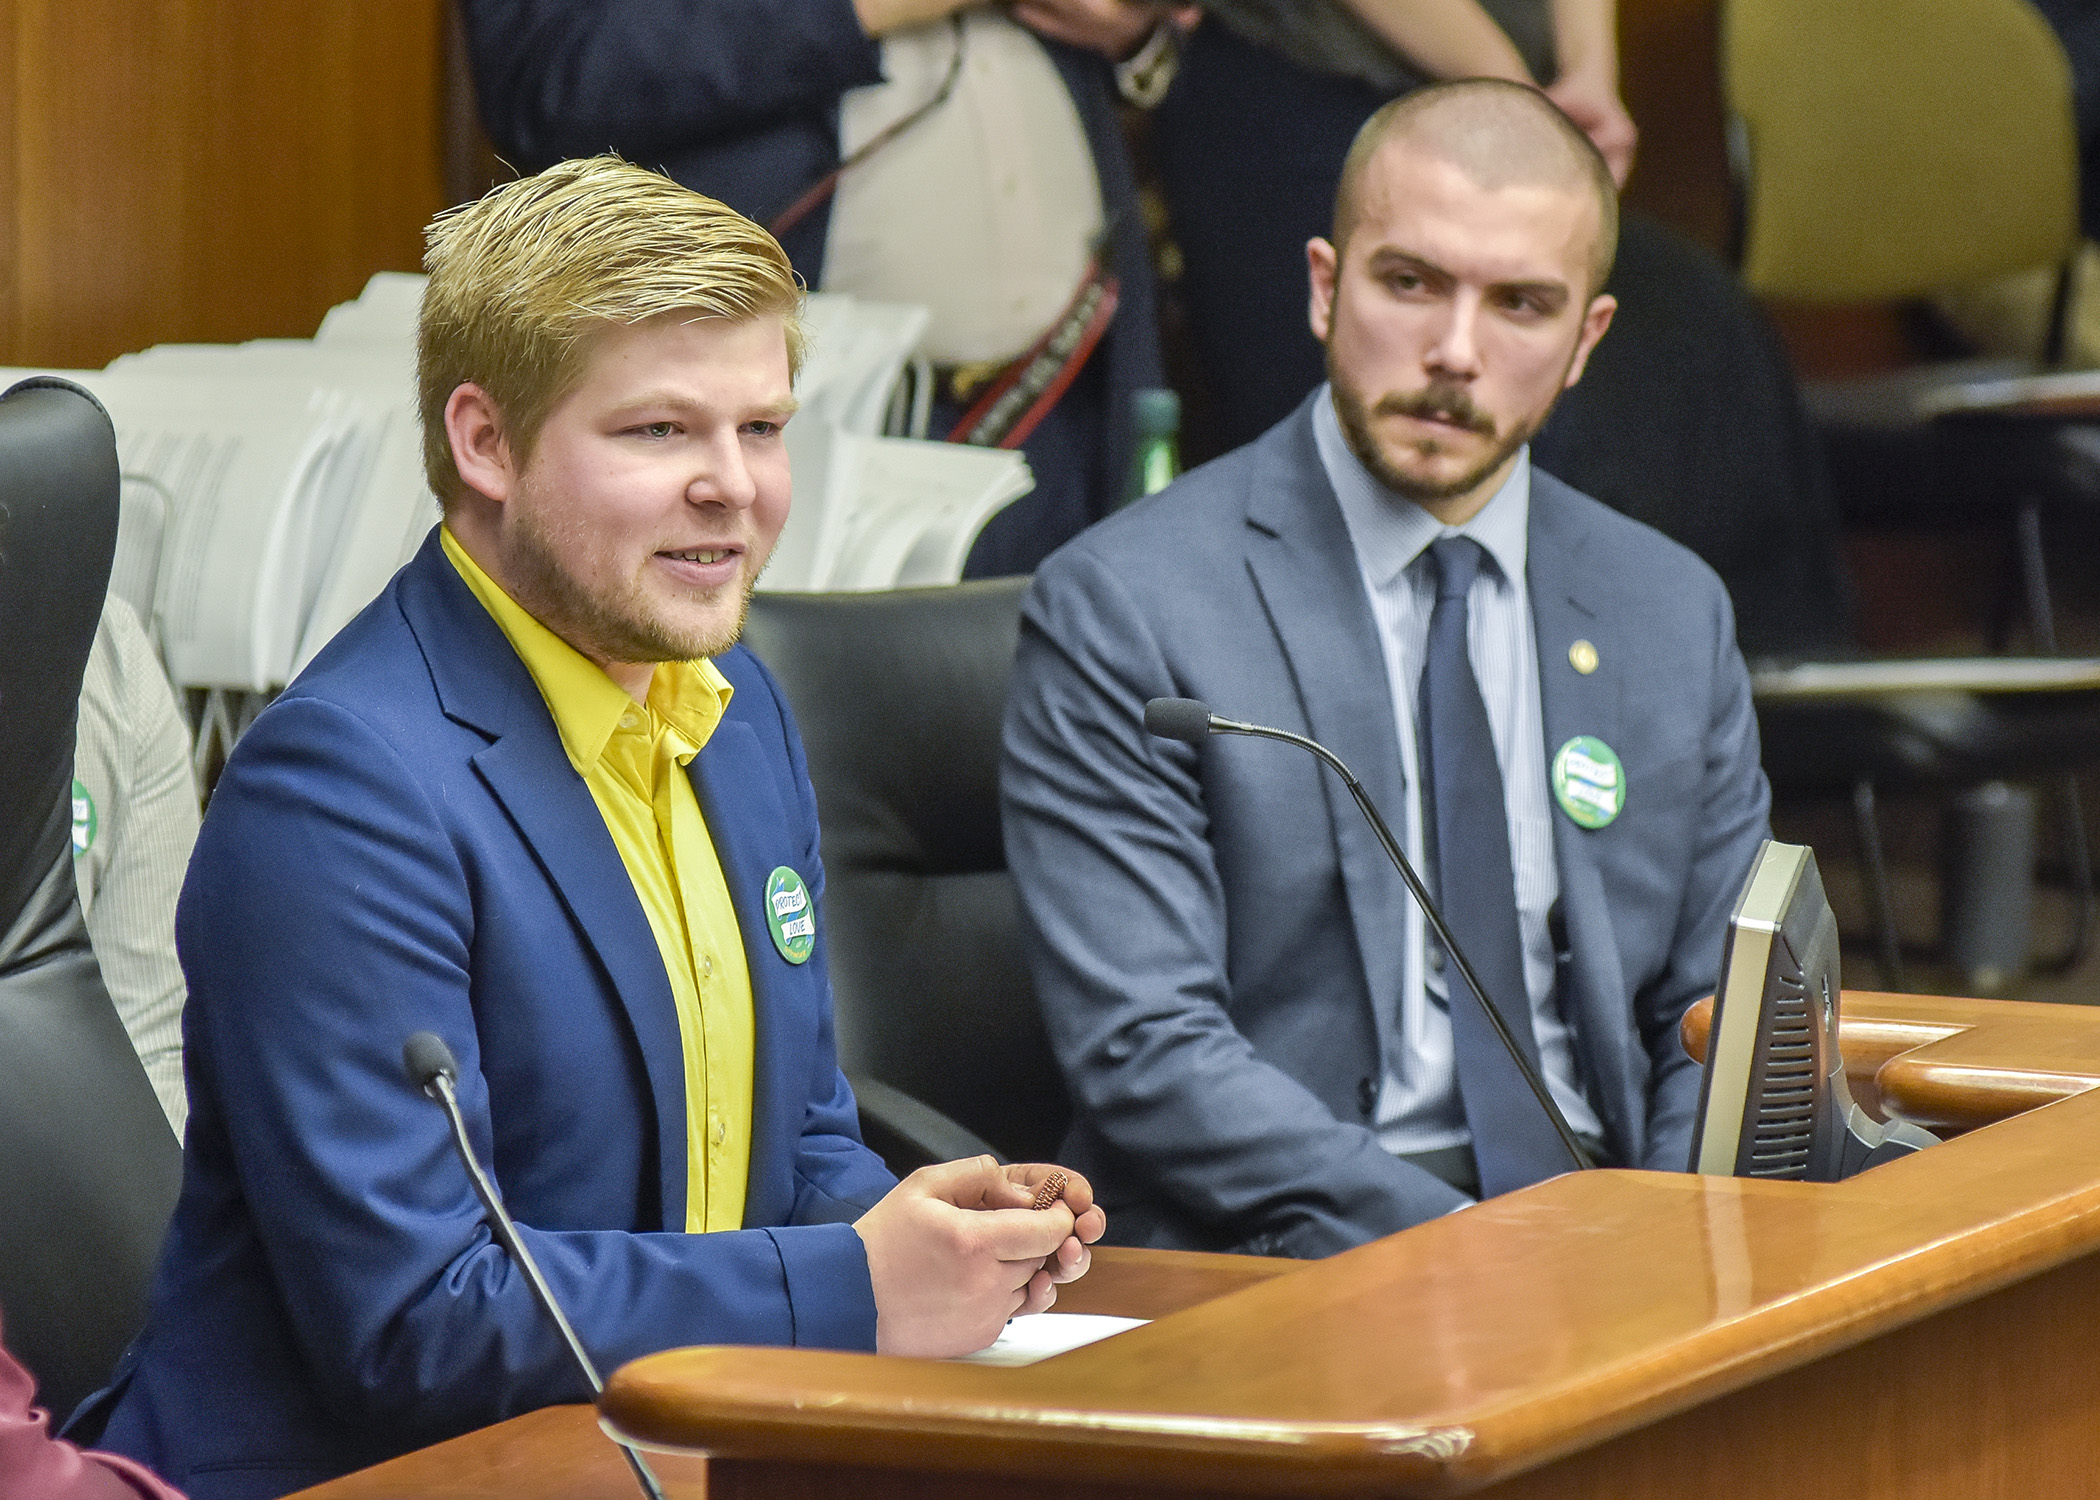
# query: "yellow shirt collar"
{"points": [[687, 698]]}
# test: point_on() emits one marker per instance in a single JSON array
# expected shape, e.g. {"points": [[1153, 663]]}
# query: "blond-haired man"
{"points": [[536, 799]]}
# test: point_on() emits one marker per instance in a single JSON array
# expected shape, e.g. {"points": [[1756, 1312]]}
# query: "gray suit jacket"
{"points": [[1215, 934]]}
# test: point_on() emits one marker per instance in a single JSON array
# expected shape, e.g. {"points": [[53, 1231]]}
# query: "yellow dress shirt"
{"points": [[633, 757]]}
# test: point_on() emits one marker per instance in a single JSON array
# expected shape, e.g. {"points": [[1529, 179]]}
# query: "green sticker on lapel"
{"points": [[1588, 781], [83, 819], [790, 916]]}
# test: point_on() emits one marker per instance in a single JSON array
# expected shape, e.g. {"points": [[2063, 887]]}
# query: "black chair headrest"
{"points": [[922, 795], [58, 531]]}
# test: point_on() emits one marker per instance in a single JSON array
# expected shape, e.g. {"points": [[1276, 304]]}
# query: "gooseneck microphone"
{"points": [[1188, 720], [433, 1069]]}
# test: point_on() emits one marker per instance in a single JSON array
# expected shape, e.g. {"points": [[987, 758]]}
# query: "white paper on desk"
{"points": [[1040, 1335]]}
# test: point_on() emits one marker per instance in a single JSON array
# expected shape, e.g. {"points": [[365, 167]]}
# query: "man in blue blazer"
{"points": [[429, 830], [1264, 1052]]}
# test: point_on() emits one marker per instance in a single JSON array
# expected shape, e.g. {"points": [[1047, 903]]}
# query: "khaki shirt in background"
{"points": [[134, 823], [986, 210]]}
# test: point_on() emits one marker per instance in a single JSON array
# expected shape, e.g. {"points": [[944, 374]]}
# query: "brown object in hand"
{"points": [[1053, 1188]]}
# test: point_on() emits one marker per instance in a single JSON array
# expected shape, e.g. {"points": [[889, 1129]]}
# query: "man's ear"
{"points": [[480, 451], [1594, 322], [1322, 266]]}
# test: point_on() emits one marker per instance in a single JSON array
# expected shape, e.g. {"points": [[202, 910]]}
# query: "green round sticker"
{"points": [[790, 915], [83, 819], [1588, 781]]}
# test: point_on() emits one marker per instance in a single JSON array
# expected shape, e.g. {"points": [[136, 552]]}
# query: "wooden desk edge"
{"points": [[873, 1423], [1920, 1071], [744, 1403], [1423, 1459], [565, 1444]]}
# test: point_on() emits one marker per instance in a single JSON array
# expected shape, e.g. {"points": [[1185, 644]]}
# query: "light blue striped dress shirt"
{"points": [[1418, 1105]]}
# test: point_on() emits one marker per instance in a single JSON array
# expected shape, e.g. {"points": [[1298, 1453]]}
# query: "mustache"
{"points": [[1439, 401]]}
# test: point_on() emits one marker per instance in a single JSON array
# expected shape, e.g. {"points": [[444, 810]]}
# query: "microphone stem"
{"points": [[507, 1232], [1429, 910]]}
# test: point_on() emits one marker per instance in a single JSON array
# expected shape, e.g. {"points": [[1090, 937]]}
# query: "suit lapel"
{"points": [[1563, 612], [740, 801], [481, 682], [1305, 572], [1565, 609]]}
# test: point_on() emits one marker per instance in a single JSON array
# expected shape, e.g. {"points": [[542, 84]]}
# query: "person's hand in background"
{"points": [[881, 17], [1594, 105], [1586, 52]]}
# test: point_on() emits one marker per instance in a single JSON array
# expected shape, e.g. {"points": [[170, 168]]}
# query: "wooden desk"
{"points": [[560, 1453], [1923, 1331]]}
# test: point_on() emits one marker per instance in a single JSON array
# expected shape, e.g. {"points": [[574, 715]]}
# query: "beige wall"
{"points": [[207, 169]]}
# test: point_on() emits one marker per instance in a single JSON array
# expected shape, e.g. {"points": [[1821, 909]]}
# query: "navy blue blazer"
{"points": [[399, 843], [1216, 935]]}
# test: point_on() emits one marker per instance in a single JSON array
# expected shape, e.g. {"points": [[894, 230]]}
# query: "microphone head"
{"points": [[428, 1059], [1178, 719]]}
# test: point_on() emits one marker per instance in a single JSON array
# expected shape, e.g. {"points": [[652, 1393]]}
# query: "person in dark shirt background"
{"points": [[751, 103]]}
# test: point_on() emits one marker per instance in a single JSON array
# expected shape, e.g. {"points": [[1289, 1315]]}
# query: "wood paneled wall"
{"points": [[1670, 78], [207, 169], [227, 169]]}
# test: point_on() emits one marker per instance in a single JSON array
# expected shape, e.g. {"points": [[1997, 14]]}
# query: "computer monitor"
{"points": [[1774, 1101]]}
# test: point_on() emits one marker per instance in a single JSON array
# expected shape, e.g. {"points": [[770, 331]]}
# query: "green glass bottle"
{"points": [[1156, 455]]}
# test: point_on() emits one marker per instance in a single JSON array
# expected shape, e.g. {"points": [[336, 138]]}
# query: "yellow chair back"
{"points": [[1891, 147]]}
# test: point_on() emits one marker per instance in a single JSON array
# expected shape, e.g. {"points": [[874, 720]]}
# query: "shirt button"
{"points": [[721, 1132], [629, 719], [707, 965]]}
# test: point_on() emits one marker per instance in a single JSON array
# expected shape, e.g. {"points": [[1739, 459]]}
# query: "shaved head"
{"points": [[1500, 134], [1463, 289]]}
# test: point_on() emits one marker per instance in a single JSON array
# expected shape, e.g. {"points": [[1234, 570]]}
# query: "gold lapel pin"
{"points": [[1582, 656]]}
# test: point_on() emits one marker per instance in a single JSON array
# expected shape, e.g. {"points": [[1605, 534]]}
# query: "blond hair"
{"points": [[521, 278]]}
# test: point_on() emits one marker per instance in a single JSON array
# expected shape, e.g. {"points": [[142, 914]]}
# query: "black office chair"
{"points": [[89, 1169], [899, 696]]}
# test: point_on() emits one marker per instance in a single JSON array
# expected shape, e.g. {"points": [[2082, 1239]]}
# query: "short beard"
{"points": [[621, 628], [1440, 399]]}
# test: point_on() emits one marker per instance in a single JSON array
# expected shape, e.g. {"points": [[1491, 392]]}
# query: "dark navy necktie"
{"points": [[1513, 1142]]}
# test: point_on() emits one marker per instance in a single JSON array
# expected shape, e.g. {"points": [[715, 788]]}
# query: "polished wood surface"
{"points": [[207, 169], [1917, 1331], [1130, 1283], [1670, 80], [560, 1453], [556, 1453], [1953, 1065]]}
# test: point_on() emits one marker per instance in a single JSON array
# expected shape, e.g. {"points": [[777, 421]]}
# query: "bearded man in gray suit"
{"points": [[1263, 1048]]}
